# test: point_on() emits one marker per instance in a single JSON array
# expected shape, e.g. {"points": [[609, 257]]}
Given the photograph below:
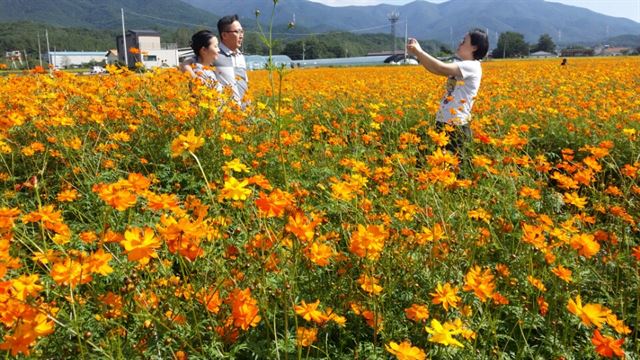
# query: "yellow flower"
{"points": [[443, 335], [590, 314], [235, 190], [235, 165]]}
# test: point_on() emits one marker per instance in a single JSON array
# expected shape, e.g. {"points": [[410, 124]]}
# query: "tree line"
{"points": [[23, 36]]}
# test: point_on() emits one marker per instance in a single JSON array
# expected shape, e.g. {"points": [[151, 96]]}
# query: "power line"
{"points": [[256, 32]]}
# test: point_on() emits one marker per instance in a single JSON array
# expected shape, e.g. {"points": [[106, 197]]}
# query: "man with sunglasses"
{"points": [[231, 67]]}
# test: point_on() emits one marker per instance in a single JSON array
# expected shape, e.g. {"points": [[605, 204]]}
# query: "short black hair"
{"points": [[201, 39], [225, 21], [480, 40]]}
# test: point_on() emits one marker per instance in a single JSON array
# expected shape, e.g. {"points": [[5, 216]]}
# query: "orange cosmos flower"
{"points": [[417, 313], [67, 195], [235, 190], [274, 204], [590, 314], [441, 139], [26, 332], [310, 312], [574, 199], [617, 324], [607, 346], [563, 273], [115, 304], [530, 193], [585, 244], [301, 226], [368, 242], [537, 283], [210, 299], [88, 237], [244, 309], [431, 235], [446, 295], [158, 202], [369, 284], [404, 351], [25, 285], [480, 282], [479, 214], [543, 306], [116, 195], [261, 181], [319, 254], [342, 190], [98, 262], [374, 320], [70, 272], [138, 182], [140, 244], [306, 336], [186, 142], [339, 320], [7, 218]]}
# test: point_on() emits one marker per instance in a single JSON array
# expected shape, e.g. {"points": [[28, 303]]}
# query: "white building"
{"points": [[66, 59], [149, 50], [111, 56], [542, 55]]}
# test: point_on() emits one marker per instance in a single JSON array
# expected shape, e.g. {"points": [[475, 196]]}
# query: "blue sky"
{"points": [[629, 9]]}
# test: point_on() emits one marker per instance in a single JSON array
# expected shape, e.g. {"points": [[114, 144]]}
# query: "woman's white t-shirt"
{"points": [[456, 104]]}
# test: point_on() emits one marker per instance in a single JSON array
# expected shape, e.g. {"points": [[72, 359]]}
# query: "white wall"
{"points": [[162, 58]]}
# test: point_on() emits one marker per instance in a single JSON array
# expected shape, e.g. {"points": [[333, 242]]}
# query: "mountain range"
{"points": [[445, 22], [105, 14]]}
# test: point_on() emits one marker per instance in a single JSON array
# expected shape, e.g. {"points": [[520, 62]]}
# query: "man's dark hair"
{"points": [[225, 21], [480, 40], [201, 39]]}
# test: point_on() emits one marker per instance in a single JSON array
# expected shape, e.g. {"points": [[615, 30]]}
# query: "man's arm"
{"points": [[431, 63], [185, 66]]}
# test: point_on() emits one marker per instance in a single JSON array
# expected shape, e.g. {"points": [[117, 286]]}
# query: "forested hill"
{"points": [[103, 14]]}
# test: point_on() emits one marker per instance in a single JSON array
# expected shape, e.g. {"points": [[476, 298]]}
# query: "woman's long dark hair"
{"points": [[200, 40]]}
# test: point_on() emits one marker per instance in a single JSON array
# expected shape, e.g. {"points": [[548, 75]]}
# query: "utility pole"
{"points": [[504, 48], [26, 59], [39, 50], [303, 49], [46, 35], [393, 18], [451, 39], [406, 39], [124, 40]]}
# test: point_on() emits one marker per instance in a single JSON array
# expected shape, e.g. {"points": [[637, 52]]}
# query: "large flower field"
{"points": [[145, 216]]}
